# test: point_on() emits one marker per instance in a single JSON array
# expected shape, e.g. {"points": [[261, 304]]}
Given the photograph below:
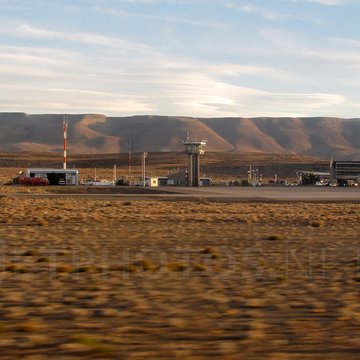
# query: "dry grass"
{"points": [[178, 280], [222, 166]]}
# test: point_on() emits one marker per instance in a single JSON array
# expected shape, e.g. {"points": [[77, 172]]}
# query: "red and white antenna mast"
{"points": [[65, 127]]}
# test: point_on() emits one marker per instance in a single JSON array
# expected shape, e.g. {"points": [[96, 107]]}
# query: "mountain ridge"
{"points": [[322, 137]]}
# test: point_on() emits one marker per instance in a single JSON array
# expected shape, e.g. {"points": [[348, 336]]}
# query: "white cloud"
{"points": [[349, 43], [156, 1], [14, 5], [32, 32], [324, 54], [36, 56], [45, 80], [26, 97], [325, 2], [272, 15], [240, 69], [116, 76], [28, 31], [256, 10], [167, 19]]}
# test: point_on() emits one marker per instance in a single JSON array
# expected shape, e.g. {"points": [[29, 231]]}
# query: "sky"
{"points": [[199, 58]]}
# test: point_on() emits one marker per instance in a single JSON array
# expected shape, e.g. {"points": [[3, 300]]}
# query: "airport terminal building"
{"points": [[342, 171]]}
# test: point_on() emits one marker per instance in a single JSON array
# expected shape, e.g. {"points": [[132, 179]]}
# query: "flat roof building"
{"points": [[56, 176], [341, 171]]}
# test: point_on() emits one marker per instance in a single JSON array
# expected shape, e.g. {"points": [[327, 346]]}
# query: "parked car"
{"points": [[322, 183]]}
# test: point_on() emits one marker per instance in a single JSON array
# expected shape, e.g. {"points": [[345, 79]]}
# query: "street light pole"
{"points": [[129, 159], [143, 166]]}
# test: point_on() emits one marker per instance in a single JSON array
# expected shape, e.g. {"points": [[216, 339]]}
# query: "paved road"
{"points": [[226, 193], [276, 193]]}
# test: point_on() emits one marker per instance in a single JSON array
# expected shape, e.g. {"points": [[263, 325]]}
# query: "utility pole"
{"points": [[144, 154], [250, 175], [129, 149], [65, 128], [114, 175]]}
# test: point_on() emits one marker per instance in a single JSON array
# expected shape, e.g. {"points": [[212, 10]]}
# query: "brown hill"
{"points": [[320, 137]]}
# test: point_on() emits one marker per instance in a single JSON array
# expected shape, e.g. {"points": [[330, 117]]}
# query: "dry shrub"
{"points": [[14, 268], [30, 252], [116, 267], [131, 268], [28, 326], [355, 262], [63, 268], [176, 266], [199, 267], [275, 237], [212, 251], [61, 253], [92, 343], [93, 288], [316, 224], [42, 222], [83, 339], [145, 265], [84, 269]]}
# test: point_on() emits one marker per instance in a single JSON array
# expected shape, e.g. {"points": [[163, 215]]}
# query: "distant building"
{"points": [[150, 181], [56, 176], [181, 179], [163, 181], [342, 171], [205, 181]]}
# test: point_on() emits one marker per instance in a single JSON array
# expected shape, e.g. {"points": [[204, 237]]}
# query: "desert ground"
{"points": [[222, 167], [136, 278]]}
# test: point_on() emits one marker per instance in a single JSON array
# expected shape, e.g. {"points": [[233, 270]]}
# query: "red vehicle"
{"points": [[33, 181]]}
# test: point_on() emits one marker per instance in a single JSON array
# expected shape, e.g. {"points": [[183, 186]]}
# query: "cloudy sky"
{"points": [[202, 58]]}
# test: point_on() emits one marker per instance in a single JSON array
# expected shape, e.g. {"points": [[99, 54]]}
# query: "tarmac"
{"points": [[299, 193], [222, 193]]}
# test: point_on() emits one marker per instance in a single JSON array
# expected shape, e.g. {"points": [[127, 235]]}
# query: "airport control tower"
{"points": [[194, 149]]}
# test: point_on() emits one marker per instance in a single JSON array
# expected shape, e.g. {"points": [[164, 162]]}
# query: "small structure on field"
{"points": [[151, 181], [180, 178]]}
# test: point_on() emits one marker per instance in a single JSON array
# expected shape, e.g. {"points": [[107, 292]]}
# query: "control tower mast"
{"points": [[194, 149]]}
